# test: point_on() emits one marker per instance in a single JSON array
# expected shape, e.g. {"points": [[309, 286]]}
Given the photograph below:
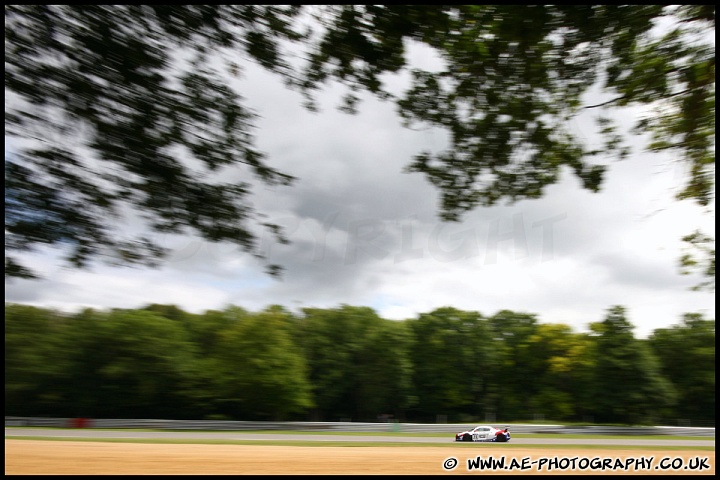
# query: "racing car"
{"points": [[483, 433]]}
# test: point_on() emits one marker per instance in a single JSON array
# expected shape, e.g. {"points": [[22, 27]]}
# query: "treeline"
{"points": [[348, 363]]}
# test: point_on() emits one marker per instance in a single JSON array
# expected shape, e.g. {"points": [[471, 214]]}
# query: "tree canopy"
{"points": [[117, 110], [349, 363]]}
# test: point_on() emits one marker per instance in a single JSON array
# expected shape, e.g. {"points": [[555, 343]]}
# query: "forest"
{"points": [[349, 364]]}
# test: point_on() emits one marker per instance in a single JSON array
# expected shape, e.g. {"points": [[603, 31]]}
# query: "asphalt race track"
{"points": [[19, 433]]}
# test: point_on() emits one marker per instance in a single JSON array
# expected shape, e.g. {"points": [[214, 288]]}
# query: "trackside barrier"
{"points": [[80, 423], [343, 426]]}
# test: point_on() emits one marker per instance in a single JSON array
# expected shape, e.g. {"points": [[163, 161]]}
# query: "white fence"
{"points": [[342, 426]]}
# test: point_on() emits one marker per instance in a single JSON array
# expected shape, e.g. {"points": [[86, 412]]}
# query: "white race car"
{"points": [[483, 433]]}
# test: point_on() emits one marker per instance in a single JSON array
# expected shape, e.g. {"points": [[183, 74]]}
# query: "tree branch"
{"points": [[606, 103]]}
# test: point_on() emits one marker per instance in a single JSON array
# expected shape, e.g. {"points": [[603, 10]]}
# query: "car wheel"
{"points": [[467, 438], [501, 438]]}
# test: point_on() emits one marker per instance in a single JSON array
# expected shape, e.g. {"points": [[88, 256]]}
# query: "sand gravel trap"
{"points": [[30, 457]]}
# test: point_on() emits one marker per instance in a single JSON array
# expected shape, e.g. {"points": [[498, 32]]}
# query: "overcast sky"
{"points": [[364, 233]]}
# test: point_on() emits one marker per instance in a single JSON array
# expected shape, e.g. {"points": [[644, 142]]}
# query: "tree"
{"points": [[515, 74], [629, 385], [550, 348], [455, 365], [121, 107], [687, 358], [339, 345], [516, 377], [383, 372], [130, 363], [579, 369], [144, 91], [259, 371], [35, 360], [699, 259]]}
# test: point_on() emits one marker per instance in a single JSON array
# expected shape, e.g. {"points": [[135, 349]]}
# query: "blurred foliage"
{"points": [[35, 360], [259, 368], [358, 363], [513, 76], [687, 358], [347, 363], [453, 364], [700, 259], [628, 385], [117, 108], [549, 349]]}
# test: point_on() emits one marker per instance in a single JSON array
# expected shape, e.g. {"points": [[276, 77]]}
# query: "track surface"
{"points": [[130, 434]]}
